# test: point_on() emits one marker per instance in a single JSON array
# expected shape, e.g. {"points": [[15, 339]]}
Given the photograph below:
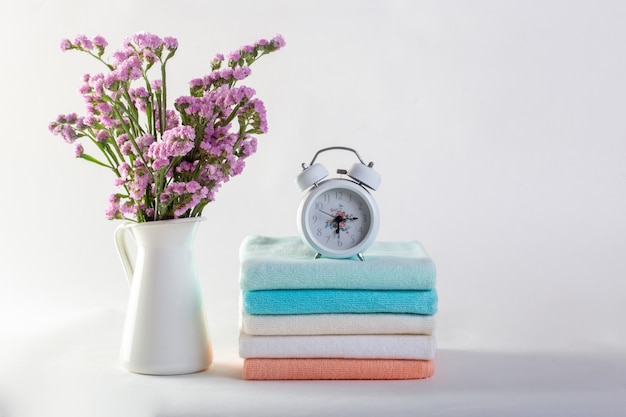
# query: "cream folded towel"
{"points": [[335, 324], [338, 346]]}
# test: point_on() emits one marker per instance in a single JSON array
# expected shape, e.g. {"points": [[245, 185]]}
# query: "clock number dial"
{"points": [[338, 219], [343, 215]]}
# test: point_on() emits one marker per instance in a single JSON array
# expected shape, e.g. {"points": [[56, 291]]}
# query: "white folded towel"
{"points": [[335, 324], [338, 346]]}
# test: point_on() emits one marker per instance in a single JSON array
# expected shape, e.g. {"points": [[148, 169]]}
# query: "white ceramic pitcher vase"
{"points": [[165, 331]]}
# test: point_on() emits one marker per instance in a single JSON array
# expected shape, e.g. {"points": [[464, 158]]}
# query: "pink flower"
{"points": [[237, 167], [144, 141], [78, 150], [139, 92], [124, 169], [121, 139], [278, 41], [226, 73], [113, 211], [128, 208], [146, 40], [89, 120], [240, 73], [126, 148], [193, 186], [68, 133], [104, 108], [248, 147], [234, 55], [216, 63], [100, 42], [66, 45], [156, 84], [107, 122], [83, 42], [159, 163], [170, 43], [171, 120], [196, 82], [102, 135], [181, 133]]}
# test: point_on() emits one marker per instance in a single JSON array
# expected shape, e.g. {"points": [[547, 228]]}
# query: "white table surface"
{"points": [[70, 368]]}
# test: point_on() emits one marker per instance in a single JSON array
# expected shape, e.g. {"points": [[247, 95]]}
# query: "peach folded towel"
{"points": [[328, 368], [384, 346], [327, 324]]}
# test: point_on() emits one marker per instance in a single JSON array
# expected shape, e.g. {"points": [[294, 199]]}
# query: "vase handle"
{"points": [[122, 250]]}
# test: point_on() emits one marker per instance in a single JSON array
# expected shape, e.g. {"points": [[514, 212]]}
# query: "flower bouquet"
{"points": [[168, 163]]}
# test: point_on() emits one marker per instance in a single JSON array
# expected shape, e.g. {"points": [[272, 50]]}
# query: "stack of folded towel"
{"points": [[305, 318]]}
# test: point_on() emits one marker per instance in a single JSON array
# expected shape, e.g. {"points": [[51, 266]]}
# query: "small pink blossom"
{"points": [[83, 42], [196, 82], [128, 208], [108, 122], [126, 148], [121, 139], [170, 43], [100, 42], [102, 135], [79, 150], [65, 45], [124, 169], [234, 56], [193, 186], [156, 84], [159, 163], [104, 108], [278, 41], [240, 73], [144, 141]]}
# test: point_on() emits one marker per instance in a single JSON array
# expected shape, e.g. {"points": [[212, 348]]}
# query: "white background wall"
{"points": [[498, 128]]}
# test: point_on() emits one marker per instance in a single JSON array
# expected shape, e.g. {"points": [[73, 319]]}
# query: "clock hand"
{"points": [[328, 214], [338, 220]]}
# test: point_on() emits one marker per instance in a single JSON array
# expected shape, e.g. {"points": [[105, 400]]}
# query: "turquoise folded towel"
{"points": [[269, 263], [339, 301]]}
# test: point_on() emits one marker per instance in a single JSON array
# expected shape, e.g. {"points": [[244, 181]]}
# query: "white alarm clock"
{"points": [[338, 217]]}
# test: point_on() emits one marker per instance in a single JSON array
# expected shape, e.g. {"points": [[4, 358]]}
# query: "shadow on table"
{"points": [[484, 370], [466, 383], [540, 370]]}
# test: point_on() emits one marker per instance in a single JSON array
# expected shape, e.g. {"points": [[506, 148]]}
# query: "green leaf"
{"points": [[90, 158]]}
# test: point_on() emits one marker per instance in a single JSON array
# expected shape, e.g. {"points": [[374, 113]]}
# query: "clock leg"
{"points": [[317, 256], [361, 257]]}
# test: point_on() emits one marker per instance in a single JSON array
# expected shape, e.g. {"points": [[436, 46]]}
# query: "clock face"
{"points": [[338, 219]]}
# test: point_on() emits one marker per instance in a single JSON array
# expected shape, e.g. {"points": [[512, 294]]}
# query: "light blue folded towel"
{"points": [[339, 301], [269, 263]]}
